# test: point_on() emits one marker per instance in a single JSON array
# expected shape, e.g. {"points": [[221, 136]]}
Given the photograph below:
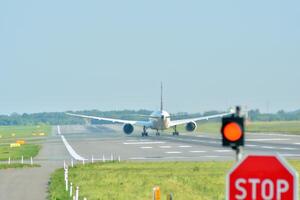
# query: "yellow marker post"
{"points": [[13, 145], [20, 142], [156, 193]]}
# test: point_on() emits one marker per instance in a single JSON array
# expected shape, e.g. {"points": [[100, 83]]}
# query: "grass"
{"points": [[17, 165], [31, 134], [288, 127], [128, 180]]}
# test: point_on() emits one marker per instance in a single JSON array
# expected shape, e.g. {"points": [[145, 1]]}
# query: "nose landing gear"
{"points": [[175, 133]]}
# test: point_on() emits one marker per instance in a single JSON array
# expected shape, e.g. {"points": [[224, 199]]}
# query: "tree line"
{"points": [[55, 118]]}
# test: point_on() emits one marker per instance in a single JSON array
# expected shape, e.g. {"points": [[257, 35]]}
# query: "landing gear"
{"points": [[157, 133], [144, 133], [175, 131]]}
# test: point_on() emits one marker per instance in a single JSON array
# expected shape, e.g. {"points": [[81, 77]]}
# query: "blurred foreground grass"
{"points": [[128, 180]]}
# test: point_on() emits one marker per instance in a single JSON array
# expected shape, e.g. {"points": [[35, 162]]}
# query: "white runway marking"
{"points": [[288, 148], [174, 157], [71, 151], [267, 139], [197, 151], [290, 155], [173, 152], [297, 143], [58, 130], [185, 146], [212, 156], [251, 145], [146, 147], [165, 147], [267, 147], [134, 143], [223, 150]]}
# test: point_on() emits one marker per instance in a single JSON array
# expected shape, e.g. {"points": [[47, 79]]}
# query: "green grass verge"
{"points": [[288, 127], [17, 165], [32, 136], [127, 180]]}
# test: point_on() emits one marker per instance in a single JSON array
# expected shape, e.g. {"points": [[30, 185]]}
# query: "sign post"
{"points": [[262, 177]]}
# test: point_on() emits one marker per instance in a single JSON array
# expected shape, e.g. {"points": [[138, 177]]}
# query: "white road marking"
{"points": [[267, 139], [276, 134], [185, 146], [290, 155], [223, 150], [288, 148], [58, 130], [173, 152], [174, 157], [134, 143], [251, 145], [197, 151], [211, 142], [71, 151], [146, 147], [165, 147], [212, 156], [267, 147]]}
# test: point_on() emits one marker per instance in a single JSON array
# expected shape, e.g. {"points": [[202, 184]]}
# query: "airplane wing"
{"points": [[138, 123], [184, 121]]}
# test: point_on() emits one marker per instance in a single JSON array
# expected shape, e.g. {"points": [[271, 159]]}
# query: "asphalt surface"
{"points": [[96, 142], [91, 142], [32, 183]]}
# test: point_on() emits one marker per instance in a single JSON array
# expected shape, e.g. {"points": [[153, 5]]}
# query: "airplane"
{"points": [[158, 120]]}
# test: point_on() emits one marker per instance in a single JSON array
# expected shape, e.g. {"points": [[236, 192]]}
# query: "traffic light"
{"points": [[233, 131]]}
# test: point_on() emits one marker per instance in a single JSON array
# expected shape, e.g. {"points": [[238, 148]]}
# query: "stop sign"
{"points": [[262, 177]]}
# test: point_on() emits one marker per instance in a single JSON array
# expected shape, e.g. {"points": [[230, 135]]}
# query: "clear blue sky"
{"points": [[75, 55]]}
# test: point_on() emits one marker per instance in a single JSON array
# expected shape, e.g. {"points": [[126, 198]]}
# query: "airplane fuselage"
{"points": [[160, 120]]}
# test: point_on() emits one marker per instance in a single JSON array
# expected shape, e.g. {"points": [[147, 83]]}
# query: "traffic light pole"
{"points": [[239, 153]]}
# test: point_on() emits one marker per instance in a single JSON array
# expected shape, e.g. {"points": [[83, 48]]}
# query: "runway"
{"points": [[106, 141]]}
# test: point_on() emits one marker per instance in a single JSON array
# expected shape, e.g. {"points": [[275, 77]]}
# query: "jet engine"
{"points": [[191, 126], [128, 129]]}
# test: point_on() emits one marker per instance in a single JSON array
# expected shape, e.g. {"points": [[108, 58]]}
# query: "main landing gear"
{"points": [[144, 133], [175, 131], [157, 133]]}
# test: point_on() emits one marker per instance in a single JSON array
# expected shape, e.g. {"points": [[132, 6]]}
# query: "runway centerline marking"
{"points": [[222, 150], [135, 143], [267, 139], [251, 145], [197, 151], [267, 147], [165, 147], [173, 152], [146, 147], [185, 146], [288, 148]]}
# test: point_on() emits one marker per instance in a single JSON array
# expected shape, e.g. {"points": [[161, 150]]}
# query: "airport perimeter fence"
{"points": [[70, 186], [19, 161]]}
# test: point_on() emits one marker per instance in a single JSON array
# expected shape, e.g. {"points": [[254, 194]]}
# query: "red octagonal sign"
{"points": [[262, 177]]}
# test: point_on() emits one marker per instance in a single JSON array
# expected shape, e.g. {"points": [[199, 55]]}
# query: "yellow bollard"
{"points": [[156, 193]]}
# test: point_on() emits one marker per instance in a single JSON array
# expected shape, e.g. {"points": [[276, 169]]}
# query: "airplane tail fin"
{"points": [[161, 97]]}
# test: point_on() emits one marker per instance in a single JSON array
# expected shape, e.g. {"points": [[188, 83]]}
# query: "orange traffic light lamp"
{"points": [[233, 131]]}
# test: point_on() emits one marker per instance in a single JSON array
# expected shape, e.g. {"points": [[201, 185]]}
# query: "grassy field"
{"points": [[125, 180], [288, 127], [32, 135], [17, 165]]}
